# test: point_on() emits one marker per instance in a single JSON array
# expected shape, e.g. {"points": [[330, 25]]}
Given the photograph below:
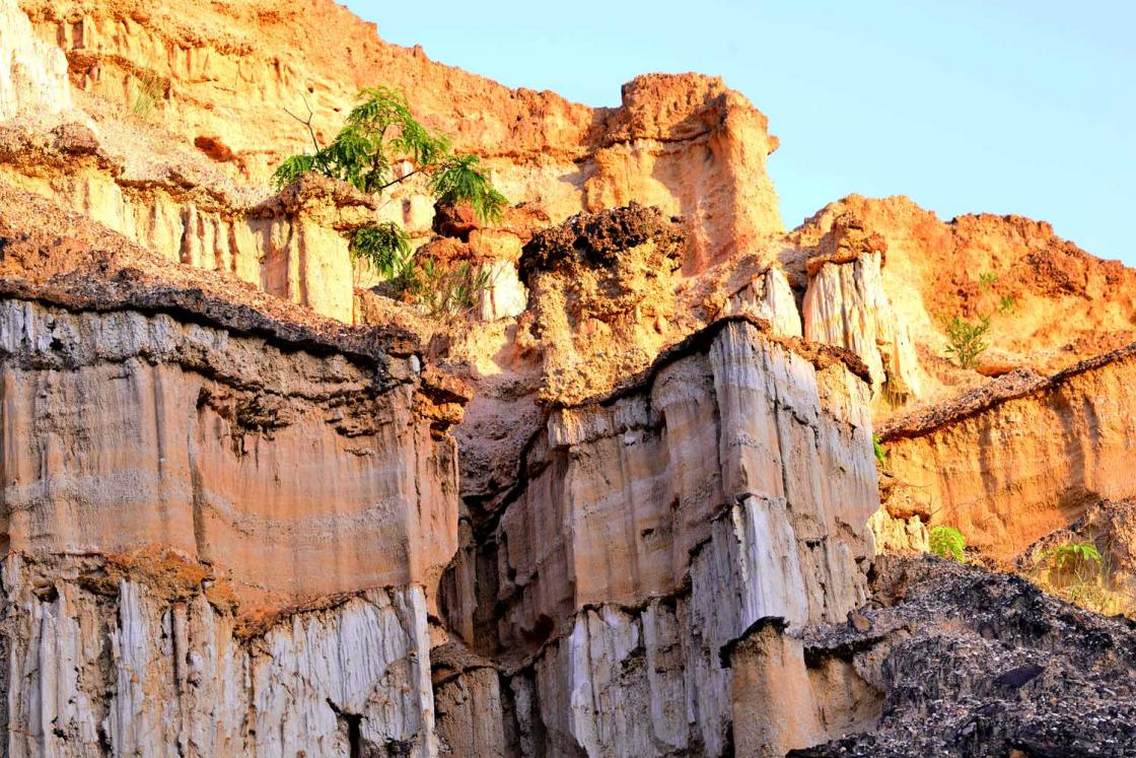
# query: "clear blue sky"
{"points": [[1005, 106]]}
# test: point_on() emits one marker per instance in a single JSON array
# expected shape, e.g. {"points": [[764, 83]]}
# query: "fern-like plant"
{"points": [[385, 247], [379, 134], [966, 341], [947, 542]]}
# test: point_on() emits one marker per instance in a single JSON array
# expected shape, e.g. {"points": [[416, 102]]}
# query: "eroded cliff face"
{"points": [[220, 80], [149, 660], [224, 526], [35, 72], [124, 430], [653, 528], [1049, 303], [627, 506], [1021, 458], [846, 304]]}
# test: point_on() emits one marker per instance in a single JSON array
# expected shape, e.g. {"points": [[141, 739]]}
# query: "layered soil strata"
{"points": [[1019, 457], [626, 504]]}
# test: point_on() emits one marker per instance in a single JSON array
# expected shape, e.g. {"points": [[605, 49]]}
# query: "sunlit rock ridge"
{"points": [[661, 490]]}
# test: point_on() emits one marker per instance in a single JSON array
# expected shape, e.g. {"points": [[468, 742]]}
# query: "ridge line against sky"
{"points": [[965, 107]]}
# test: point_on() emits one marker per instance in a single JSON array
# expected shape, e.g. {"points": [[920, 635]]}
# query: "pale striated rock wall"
{"points": [[784, 697], [97, 666], [124, 430], [899, 535], [505, 296], [630, 489], [33, 73], [653, 528], [1010, 463], [769, 297], [846, 305], [291, 246], [217, 542]]}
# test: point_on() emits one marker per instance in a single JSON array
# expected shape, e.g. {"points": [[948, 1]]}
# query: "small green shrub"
{"points": [[947, 542], [444, 289], [1006, 304], [879, 450], [966, 341], [1075, 556], [1079, 573]]}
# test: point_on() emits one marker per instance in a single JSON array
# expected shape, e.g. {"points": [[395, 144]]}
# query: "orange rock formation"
{"points": [[626, 506]]}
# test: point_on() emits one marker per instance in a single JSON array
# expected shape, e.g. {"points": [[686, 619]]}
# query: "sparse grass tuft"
{"points": [[1079, 573], [148, 93]]}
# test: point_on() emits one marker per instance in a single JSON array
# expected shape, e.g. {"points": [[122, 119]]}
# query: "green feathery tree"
{"points": [[379, 133]]}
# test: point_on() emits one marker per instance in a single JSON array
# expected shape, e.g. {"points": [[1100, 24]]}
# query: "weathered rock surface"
{"points": [[33, 73], [846, 305], [643, 524], [124, 430], [99, 661], [769, 297], [291, 245], [472, 712], [1019, 458], [224, 77], [599, 284], [223, 525], [1050, 304], [972, 663], [739, 469]]}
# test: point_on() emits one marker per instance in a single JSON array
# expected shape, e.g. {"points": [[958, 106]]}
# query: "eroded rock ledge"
{"points": [[124, 430]]}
